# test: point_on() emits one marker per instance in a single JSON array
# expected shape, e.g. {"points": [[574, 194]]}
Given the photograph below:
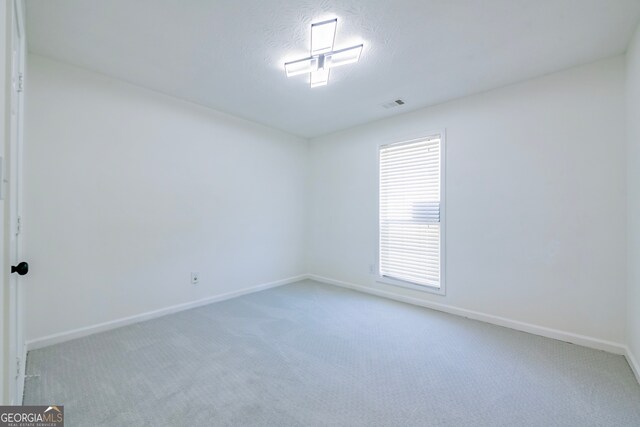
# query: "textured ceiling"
{"points": [[229, 54]]}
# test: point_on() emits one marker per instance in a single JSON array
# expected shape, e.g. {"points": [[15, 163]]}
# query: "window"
{"points": [[411, 220]]}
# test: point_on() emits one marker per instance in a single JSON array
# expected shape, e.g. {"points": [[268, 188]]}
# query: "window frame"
{"points": [[443, 214]]}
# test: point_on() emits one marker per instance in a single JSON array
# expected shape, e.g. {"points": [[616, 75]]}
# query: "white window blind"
{"points": [[410, 198]]}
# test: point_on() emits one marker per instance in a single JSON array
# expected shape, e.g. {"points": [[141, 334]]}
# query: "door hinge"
{"points": [[19, 225], [17, 367], [20, 82]]}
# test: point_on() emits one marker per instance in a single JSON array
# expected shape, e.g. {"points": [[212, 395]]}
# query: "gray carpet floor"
{"points": [[309, 354]]}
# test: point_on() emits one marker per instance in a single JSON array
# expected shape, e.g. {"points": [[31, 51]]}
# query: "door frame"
{"points": [[14, 315]]}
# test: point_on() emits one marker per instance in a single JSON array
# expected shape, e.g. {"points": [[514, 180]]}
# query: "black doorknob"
{"points": [[21, 269]]}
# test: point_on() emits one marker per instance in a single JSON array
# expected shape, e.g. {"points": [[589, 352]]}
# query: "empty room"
{"points": [[320, 213]]}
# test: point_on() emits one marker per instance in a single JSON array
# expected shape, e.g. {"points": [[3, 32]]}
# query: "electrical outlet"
{"points": [[195, 277]]}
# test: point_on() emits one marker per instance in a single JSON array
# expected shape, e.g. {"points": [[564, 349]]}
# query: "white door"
{"points": [[13, 174]]}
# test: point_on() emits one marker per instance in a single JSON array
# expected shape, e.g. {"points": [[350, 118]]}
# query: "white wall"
{"points": [[127, 191], [535, 201], [633, 214]]}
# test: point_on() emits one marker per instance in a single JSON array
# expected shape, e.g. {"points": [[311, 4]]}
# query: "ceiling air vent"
{"points": [[392, 104]]}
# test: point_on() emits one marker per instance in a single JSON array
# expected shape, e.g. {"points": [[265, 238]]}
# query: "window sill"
{"points": [[401, 283]]}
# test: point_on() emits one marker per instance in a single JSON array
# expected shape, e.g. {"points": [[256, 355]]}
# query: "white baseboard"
{"points": [[633, 362], [583, 340], [113, 324]]}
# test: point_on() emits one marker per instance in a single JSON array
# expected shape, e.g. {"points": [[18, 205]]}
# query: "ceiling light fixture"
{"points": [[323, 57]]}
